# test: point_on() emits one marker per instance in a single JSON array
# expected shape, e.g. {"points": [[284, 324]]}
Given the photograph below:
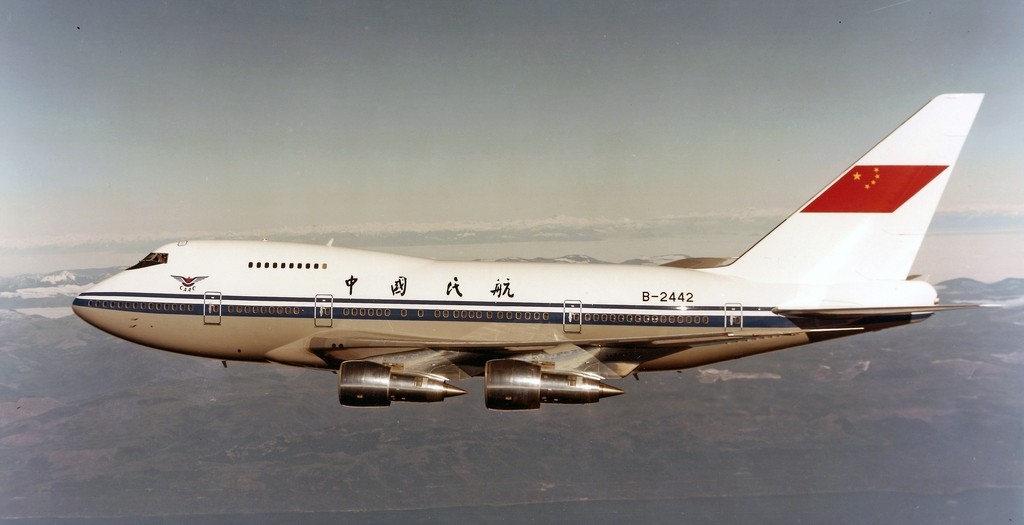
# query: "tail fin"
{"points": [[869, 223]]}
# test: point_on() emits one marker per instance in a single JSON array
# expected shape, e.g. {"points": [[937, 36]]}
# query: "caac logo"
{"points": [[188, 283]]}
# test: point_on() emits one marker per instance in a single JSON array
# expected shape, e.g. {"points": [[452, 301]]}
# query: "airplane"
{"points": [[399, 328]]}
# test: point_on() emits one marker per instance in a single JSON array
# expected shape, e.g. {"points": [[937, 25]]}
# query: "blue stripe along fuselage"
{"points": [[426, 310]]}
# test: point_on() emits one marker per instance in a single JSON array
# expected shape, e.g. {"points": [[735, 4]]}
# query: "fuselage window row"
{"points": [[646, 319], [125, 305], [288, 266], [385, 313], [245, 309]]}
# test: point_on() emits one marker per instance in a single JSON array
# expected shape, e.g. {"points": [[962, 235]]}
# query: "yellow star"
{"points": [[856, 176], [867, 186]]}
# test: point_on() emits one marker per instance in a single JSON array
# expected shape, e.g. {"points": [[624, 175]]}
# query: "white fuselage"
{"points": [[268, 301]]}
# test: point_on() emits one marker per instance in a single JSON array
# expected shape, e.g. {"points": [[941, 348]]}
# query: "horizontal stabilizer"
{"points": [[851, 313], [700, 262]]}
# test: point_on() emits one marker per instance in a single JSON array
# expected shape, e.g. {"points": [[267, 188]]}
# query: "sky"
{"points": [[417, 126]]}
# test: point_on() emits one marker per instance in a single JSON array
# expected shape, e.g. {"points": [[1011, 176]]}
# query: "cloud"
{"points": [[964, 220], [69, 290], [55, 312], [968, 369], [1014, 358], [995, 219], [453, 232], [825, 373], [728, 233], [714, 375]]}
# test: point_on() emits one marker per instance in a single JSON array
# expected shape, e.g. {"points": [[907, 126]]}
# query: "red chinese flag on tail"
{"points": [[873, 189]]}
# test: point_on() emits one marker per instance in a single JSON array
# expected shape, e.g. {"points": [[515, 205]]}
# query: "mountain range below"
{"points": [[919, 424]]}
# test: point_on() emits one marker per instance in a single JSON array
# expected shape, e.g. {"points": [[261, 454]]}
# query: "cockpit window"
{"points": [[150, 260]]}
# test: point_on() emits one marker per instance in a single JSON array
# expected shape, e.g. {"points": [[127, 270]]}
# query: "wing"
{"points": [[604, 357], [601, 357]]}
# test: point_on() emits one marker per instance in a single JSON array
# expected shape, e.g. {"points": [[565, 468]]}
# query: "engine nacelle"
{"points": [[517, 385], [369, 384]]}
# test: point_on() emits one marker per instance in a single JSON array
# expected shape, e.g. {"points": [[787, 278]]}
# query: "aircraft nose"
{"points": [[93, 307], [84, 309]]}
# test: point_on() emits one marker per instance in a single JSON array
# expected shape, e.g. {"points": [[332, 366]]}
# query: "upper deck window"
{"points": [[150, 260]]}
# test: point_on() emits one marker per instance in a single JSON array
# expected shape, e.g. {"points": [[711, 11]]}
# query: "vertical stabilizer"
{"points": [[868, 224]]}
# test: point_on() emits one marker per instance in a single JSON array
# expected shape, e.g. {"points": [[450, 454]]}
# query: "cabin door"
{"points": [[733, 316], [572, 316], [323, 310], [212, 303]]}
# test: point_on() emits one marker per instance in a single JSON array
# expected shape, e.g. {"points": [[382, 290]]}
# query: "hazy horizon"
{"points": [[985, 252]]}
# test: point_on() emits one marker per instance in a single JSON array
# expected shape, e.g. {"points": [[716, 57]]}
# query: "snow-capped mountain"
{"points": [[55, 289]]}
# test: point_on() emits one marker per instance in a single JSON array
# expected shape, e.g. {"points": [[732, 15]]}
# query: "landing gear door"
{"points": [[212, 302], [733, 317], [572, 316], [323, 310]]}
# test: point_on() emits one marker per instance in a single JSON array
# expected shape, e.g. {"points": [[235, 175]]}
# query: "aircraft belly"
{"points": [[414, 333], [713, 353]]}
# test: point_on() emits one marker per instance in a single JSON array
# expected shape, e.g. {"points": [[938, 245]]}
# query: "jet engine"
{"points": [[369, 384], [517, 385]]}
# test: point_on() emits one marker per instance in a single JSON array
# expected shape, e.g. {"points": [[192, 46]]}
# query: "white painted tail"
{"points": [[868, 224]]}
